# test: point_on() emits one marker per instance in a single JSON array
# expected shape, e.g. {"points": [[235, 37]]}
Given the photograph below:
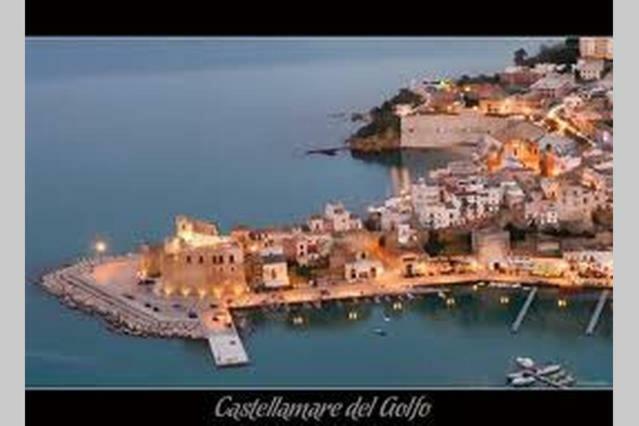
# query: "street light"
{"points": [[100, 247]]}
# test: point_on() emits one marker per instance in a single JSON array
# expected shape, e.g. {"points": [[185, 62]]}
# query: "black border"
{"points": [[387, 18], [197, 407], [241, 18]]}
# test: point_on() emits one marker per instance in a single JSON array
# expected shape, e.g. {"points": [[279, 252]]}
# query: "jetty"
{"points": [[524, 310], [224, 341], [597, 312]]}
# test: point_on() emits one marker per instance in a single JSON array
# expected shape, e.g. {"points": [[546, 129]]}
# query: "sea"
{"points": [[122, 134]]}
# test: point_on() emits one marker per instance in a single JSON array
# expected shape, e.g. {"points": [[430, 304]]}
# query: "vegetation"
{"points": [[478, 79], [565, 53], [383, 120]]}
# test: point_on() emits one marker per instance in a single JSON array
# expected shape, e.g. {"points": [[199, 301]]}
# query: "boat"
{"points": [[559, 375], [410, 296], [379, 331], [549, 369], [516, 375], [386, 318], [525, 362], [567, 381], [523, 381], [377, 299]]}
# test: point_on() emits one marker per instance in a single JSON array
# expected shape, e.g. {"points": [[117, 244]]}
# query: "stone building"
{"points": [[196, 260], [595, 47], [491, 246], [443, 130]]}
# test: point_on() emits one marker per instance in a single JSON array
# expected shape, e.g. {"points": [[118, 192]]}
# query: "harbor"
{"points": [[107, 285], [339, 288]]}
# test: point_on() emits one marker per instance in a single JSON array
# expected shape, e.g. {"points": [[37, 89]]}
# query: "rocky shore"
{"points": [[74, 287]]}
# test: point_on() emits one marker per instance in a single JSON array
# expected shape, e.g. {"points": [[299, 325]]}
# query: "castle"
{"points": [[196, 260]]}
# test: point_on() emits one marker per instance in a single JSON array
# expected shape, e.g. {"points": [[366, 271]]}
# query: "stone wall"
{"points": [[443, 130]]}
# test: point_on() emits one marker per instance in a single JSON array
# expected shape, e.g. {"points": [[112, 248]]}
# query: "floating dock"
{"points": [[597, 312], [524, 310]]}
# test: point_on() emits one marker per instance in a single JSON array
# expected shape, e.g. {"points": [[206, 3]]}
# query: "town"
{"points": [[532, 205]]}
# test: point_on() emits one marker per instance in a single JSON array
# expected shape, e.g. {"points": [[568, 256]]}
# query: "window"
{"points": [[188, 259], [201, 259], [231, 259]]}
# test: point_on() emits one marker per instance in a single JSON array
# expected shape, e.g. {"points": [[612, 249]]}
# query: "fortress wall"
{"points": [[442, 130]]}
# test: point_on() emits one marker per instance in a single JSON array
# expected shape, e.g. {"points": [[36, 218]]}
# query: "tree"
{"points": [[520, 56]]}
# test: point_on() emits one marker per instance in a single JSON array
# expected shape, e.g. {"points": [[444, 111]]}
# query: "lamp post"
{"points": [[100, 247]]}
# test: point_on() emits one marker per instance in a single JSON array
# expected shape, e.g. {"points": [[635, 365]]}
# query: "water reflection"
{"points": [[408, 165], [473, 309]]}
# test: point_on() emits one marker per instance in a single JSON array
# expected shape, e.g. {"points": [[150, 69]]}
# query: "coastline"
{"points": [[73, 286]]}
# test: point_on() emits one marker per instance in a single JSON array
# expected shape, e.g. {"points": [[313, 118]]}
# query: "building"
{"points": [[553, 86], [576, 202], [339, 219], [316, 223], [444, 130], [274, 270], [595, 47], [196, 260], [512, 105], [491, 246], [362, 268], [590, 69], [542, 213], [599, 260], [519, 76]]}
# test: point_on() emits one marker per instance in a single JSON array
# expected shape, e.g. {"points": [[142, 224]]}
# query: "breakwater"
{"points": [[76, 288]]}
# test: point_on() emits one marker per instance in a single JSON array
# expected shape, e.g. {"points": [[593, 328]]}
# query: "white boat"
{"points": [[379, 331], [525, 362], [549, 369], [410, 296], [516, 375], [523, 381], [567, 381], [386, 318]]}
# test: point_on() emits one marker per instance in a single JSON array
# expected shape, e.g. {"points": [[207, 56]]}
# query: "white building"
{"points": [[274, 270], [316, 223], [363, 269], [340, 219], [541, 213], [590, 69], [405, 234]]}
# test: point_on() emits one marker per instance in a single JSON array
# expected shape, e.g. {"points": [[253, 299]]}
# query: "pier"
{"points": [[597, 312], [224, 341], [524, 310]]}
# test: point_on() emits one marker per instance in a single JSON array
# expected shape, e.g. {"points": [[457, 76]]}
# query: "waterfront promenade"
{"points": [[109, 287]]}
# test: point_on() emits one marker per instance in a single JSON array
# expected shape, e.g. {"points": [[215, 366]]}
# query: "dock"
{"points": [[224, 341], [524, 310], [597, 312]]}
